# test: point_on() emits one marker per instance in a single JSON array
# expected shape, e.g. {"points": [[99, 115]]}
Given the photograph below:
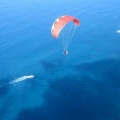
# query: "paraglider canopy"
{"points": [[64, 28], [61, 22]]}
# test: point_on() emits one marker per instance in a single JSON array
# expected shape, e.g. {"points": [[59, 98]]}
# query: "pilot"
{"points": [[65, 52]]}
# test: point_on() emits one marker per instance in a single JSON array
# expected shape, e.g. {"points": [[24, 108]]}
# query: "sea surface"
{"points": [[39, 82]]}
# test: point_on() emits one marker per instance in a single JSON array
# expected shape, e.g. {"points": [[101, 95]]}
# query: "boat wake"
{"points": [[20, 79]]}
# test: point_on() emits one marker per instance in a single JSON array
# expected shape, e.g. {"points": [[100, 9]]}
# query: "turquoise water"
{"points": [[83, 85]]}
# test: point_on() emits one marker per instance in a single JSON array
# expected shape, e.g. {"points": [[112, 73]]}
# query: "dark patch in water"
{"points": [[51, 65], [3, 90], [84, 96], [4, 86], [31, 114], [106, 70]]}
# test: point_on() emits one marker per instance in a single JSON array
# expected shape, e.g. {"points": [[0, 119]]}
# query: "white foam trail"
{"points": [[21, 79], [118, 31]]}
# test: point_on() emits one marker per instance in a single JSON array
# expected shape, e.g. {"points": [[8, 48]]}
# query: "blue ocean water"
{"points": [[84, 85]]}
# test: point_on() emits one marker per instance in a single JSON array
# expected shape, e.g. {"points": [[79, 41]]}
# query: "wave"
{"points": [[21, 79]]}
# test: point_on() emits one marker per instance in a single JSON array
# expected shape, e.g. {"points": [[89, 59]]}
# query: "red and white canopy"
{"points": [[61, 22]]}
